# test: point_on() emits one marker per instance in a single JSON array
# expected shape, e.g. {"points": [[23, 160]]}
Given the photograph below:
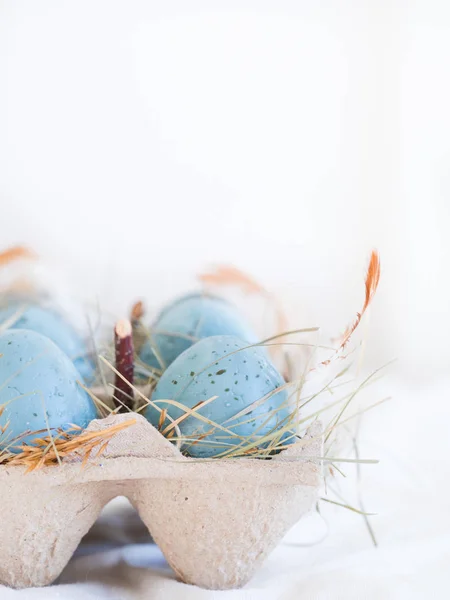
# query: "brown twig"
{"points": [[140, 335], [123, 340], [137, 311]]}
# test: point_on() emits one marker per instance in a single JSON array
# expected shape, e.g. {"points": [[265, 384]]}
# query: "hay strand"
{"points": [[52, 450]]}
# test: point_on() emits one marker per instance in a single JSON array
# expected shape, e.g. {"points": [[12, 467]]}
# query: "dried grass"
{"points": [[52, 449]]}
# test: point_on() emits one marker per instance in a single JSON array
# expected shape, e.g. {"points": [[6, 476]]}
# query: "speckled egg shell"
{"points": [[187, 320], [38, 388], [222, 366], [54, 326]]}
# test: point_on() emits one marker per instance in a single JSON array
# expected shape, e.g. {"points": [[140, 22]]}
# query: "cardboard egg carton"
{"points": [[214, 520]]}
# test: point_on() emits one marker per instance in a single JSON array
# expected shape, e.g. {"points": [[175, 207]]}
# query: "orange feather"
{"points": [[371, 285], [15, 253]]}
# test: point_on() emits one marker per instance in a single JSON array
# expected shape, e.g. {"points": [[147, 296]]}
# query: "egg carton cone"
{"points": [[214, 520]]}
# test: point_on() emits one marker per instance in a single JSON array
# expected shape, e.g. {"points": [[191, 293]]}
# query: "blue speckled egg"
{"points": [[222, 366], [54, 326], [38, 387], [188, 320]]}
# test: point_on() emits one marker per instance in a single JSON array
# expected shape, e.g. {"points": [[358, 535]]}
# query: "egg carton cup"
{"points": [[214, 520]]}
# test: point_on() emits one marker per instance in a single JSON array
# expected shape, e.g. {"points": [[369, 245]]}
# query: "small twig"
{"points": [[137, 311], [123, 341], [139, 334]]}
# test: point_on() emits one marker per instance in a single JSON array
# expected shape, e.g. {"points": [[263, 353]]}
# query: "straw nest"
{"points": [[115, 391]]}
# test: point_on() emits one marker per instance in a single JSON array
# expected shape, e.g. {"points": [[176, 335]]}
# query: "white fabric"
{"points": [[408, 490]]}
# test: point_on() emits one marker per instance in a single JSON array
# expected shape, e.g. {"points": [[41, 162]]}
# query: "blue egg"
{"points": [[188, 320], [38, 388], [54, 326], [223, 366]]}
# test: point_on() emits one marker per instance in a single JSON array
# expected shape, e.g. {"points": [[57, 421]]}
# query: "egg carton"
{"points": [[214, 520]]}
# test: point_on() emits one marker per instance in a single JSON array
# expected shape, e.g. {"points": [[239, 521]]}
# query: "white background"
{"points": [[142, 141]]}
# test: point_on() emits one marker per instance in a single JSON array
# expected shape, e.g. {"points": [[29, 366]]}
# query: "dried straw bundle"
{"points": [[52, 449]]}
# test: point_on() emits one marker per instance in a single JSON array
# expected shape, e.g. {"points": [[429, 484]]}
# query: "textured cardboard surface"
{"points": [[215, 521]]}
